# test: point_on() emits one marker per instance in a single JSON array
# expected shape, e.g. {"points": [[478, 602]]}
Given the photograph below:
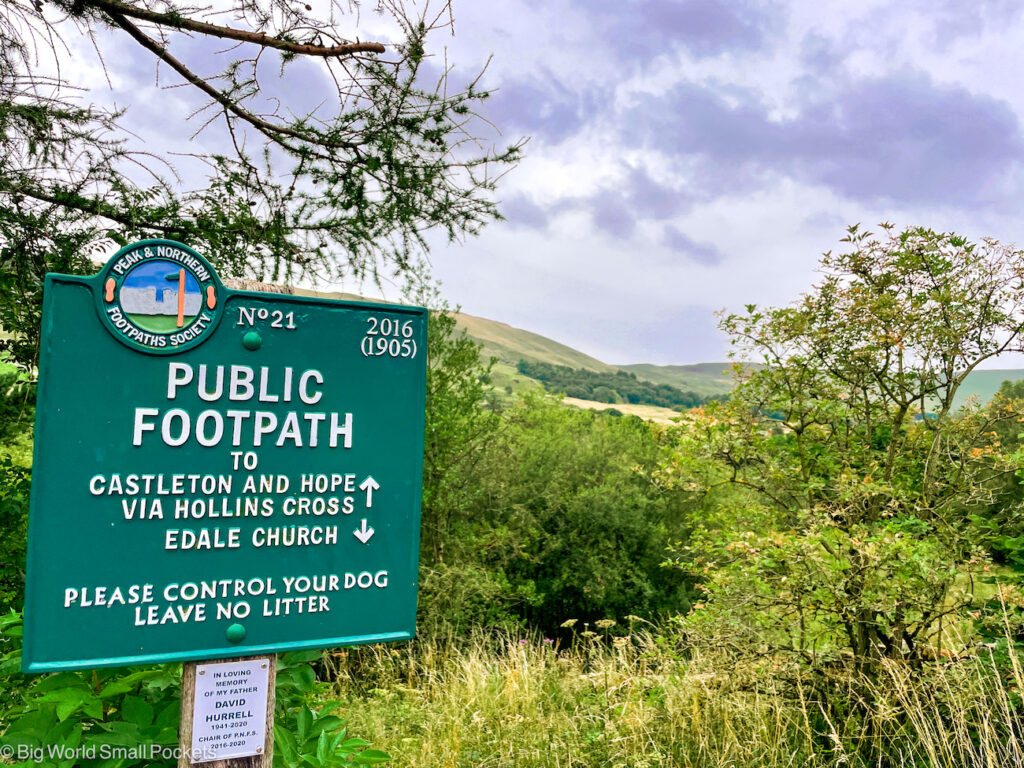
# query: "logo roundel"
{"points": [[160, 297]]}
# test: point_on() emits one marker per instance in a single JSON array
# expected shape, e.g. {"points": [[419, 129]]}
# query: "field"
{"points": [[647, 412], [158, 323]]}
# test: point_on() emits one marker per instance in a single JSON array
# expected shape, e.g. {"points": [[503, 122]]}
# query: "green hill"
{"points": [[714, 378], [510, 345], [703, 378]]}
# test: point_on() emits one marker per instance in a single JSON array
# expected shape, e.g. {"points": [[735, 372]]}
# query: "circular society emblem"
{"points": [[159, 296]]}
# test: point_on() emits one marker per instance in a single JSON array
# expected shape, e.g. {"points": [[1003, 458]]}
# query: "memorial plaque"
{"points": [[230, 710], [219, 473]]}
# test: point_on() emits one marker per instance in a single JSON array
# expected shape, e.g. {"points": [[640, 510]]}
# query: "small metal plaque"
{"points": [[229, 714]]}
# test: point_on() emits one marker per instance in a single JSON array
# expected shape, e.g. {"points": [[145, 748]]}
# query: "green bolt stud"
{"points": [[235, 633], [252, 340]]}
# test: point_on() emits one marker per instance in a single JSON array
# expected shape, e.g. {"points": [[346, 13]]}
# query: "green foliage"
{"points": [[585, 529], [15, 484], [1000, 524], [316, 738], [348, 189], [458, 426], [17, 413], [457, 590], [99, 711], [618, 387], [17, 403], [534, 513], [837, 484], [130, 716], [32, 243], [307, 733]]}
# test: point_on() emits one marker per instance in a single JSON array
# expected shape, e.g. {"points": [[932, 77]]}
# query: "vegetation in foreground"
{"points": [[821, 571], [641, 699]]}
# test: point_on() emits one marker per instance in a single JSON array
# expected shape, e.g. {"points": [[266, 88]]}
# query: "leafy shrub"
{"points": [[15, 482], [136, 710], [583, 530]]}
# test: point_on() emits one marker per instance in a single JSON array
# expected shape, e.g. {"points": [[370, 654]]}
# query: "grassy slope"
{"points": [[714, 378], [702, 378], [510, 345], [532, 703]]}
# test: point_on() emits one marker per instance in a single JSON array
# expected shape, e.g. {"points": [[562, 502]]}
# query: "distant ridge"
{"points": [[510, 345]]}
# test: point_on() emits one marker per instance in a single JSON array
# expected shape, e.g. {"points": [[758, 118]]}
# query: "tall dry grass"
{"points": [[641, 702]]}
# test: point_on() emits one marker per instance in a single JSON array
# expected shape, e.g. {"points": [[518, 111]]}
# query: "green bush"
{"points": [[572, 520], [15, 482], [130, 716]]}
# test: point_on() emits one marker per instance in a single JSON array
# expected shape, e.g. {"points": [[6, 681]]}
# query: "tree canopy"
{"points": [[322, 155], [838, 480]]}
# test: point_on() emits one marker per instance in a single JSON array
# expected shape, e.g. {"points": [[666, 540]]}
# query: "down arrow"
{"points": [[364, 533]]}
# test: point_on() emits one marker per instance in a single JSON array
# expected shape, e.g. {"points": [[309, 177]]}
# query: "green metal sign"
{"points": [[219, 473]]}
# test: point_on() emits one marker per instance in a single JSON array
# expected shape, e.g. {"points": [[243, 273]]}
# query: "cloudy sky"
{"points": [[691, 155]]}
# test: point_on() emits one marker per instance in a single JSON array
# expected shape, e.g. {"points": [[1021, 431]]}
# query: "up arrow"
{"points": [[364, 533], [369, 485]]}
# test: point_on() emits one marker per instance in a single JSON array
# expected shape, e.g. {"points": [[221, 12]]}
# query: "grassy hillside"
{"points": [[510, 345], [714, 378], [500, 340], [702, 378]]}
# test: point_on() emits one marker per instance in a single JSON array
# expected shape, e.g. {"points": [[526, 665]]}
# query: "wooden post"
{"points": [[188, 693]]}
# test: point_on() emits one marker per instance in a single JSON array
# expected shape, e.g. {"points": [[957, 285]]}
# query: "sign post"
{"points": [[243, 688], [220, 474]]}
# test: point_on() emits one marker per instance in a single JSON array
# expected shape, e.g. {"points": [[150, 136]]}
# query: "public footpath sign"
{"points": [[219, 473]]}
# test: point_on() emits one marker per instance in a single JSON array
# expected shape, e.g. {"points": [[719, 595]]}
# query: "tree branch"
{"points": [[268, 129], [176, 21], [77, 202]]}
